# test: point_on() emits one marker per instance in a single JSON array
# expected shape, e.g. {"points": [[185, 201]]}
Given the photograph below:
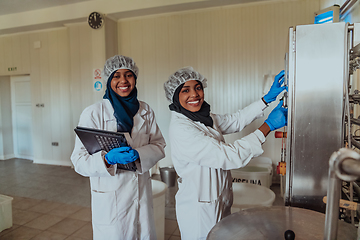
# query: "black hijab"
{"points": [[203, 115], [125, 108]]}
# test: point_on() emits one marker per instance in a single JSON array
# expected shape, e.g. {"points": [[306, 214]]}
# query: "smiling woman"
{"points": [[121, 200], [202, 158]]}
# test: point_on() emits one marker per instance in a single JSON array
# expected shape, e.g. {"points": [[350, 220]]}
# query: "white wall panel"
{"points": [[45, 81], [6, 129], [111, 37], [85, 62], [16, 52], [55, 67], [162, 56], [8, 57], [87, 52], [175, 43], [25, 54], [2, 56], [234, 47], [74, 45], [147, 72], [66, 136], [36, 97], [55, 119]]}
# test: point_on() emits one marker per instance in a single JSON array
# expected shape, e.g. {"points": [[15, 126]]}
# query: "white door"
{"points": [[21, 116]]}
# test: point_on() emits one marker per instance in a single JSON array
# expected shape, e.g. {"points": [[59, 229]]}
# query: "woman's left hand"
{"points": [[278, 117]]}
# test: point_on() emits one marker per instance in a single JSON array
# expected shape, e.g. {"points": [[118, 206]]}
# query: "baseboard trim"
{"points": [[7, 157]]}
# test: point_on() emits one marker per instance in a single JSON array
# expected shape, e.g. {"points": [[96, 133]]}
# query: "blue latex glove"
{"points": [[278, 117], [276, 88], [121, 155]]}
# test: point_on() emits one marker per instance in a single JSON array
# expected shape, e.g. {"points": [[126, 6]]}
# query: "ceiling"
{"points": [[29, 15], [17, 6]]}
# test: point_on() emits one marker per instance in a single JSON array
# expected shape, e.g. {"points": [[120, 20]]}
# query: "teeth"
{"points": [[123, 88], [194, 102]]}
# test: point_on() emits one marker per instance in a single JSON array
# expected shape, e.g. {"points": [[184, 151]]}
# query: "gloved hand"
{"points": [[276, 88], [278, 117], [121, 155]]}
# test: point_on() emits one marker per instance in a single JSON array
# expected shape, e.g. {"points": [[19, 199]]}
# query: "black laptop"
{"points": [[95, 140]]}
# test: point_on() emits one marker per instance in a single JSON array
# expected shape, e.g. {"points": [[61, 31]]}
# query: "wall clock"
{"points": [[95, 20]]}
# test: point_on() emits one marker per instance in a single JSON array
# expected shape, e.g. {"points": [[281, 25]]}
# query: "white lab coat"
{"points": [[121, 201], [203, 161]]}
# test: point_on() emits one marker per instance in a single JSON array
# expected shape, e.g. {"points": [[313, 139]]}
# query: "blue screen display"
{"points": [[324, 17]]}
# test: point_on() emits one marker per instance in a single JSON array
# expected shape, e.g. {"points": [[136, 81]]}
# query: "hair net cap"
{"points": [[179, 77], [119, 62]]}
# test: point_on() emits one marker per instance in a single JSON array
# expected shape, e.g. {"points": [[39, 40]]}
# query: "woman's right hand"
{"points": [[121, 155], [278, 117]]}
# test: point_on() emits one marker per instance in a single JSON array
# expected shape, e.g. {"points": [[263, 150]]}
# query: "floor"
{"points": [[53, 202]]}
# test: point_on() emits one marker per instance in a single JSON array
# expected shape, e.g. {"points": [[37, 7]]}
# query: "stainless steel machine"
{"points": [[317, 71]]}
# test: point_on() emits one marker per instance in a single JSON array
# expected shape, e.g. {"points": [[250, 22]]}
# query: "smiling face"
{"points": [[123, 82], [191, 96]]}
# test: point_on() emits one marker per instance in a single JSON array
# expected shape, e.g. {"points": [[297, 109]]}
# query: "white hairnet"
{"points": [[119, 62], [179, 77]]}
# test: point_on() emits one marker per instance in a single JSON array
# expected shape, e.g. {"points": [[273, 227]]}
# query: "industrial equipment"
{"points": [[318, 74]]}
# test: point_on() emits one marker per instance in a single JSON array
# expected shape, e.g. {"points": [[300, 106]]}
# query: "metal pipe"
{"points": [[354, 97], [357, 188], [332, 205], [355, 143], [355, 121], [351, 167], [344, 165], [344, 5]]}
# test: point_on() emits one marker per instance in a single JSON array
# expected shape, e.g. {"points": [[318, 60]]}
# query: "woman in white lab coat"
{"points": [[200, 155], [121, 200]]}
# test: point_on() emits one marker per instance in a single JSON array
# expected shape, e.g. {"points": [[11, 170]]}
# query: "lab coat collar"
{"points": [[185, 118], [198, 124], [215, 132], [139, 120], [108, 111]]}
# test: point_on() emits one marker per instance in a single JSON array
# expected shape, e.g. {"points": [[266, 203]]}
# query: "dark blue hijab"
{"points": [[125, 108]]}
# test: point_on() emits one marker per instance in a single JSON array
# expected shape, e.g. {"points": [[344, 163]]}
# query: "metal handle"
{"points": [[344, 165]]}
